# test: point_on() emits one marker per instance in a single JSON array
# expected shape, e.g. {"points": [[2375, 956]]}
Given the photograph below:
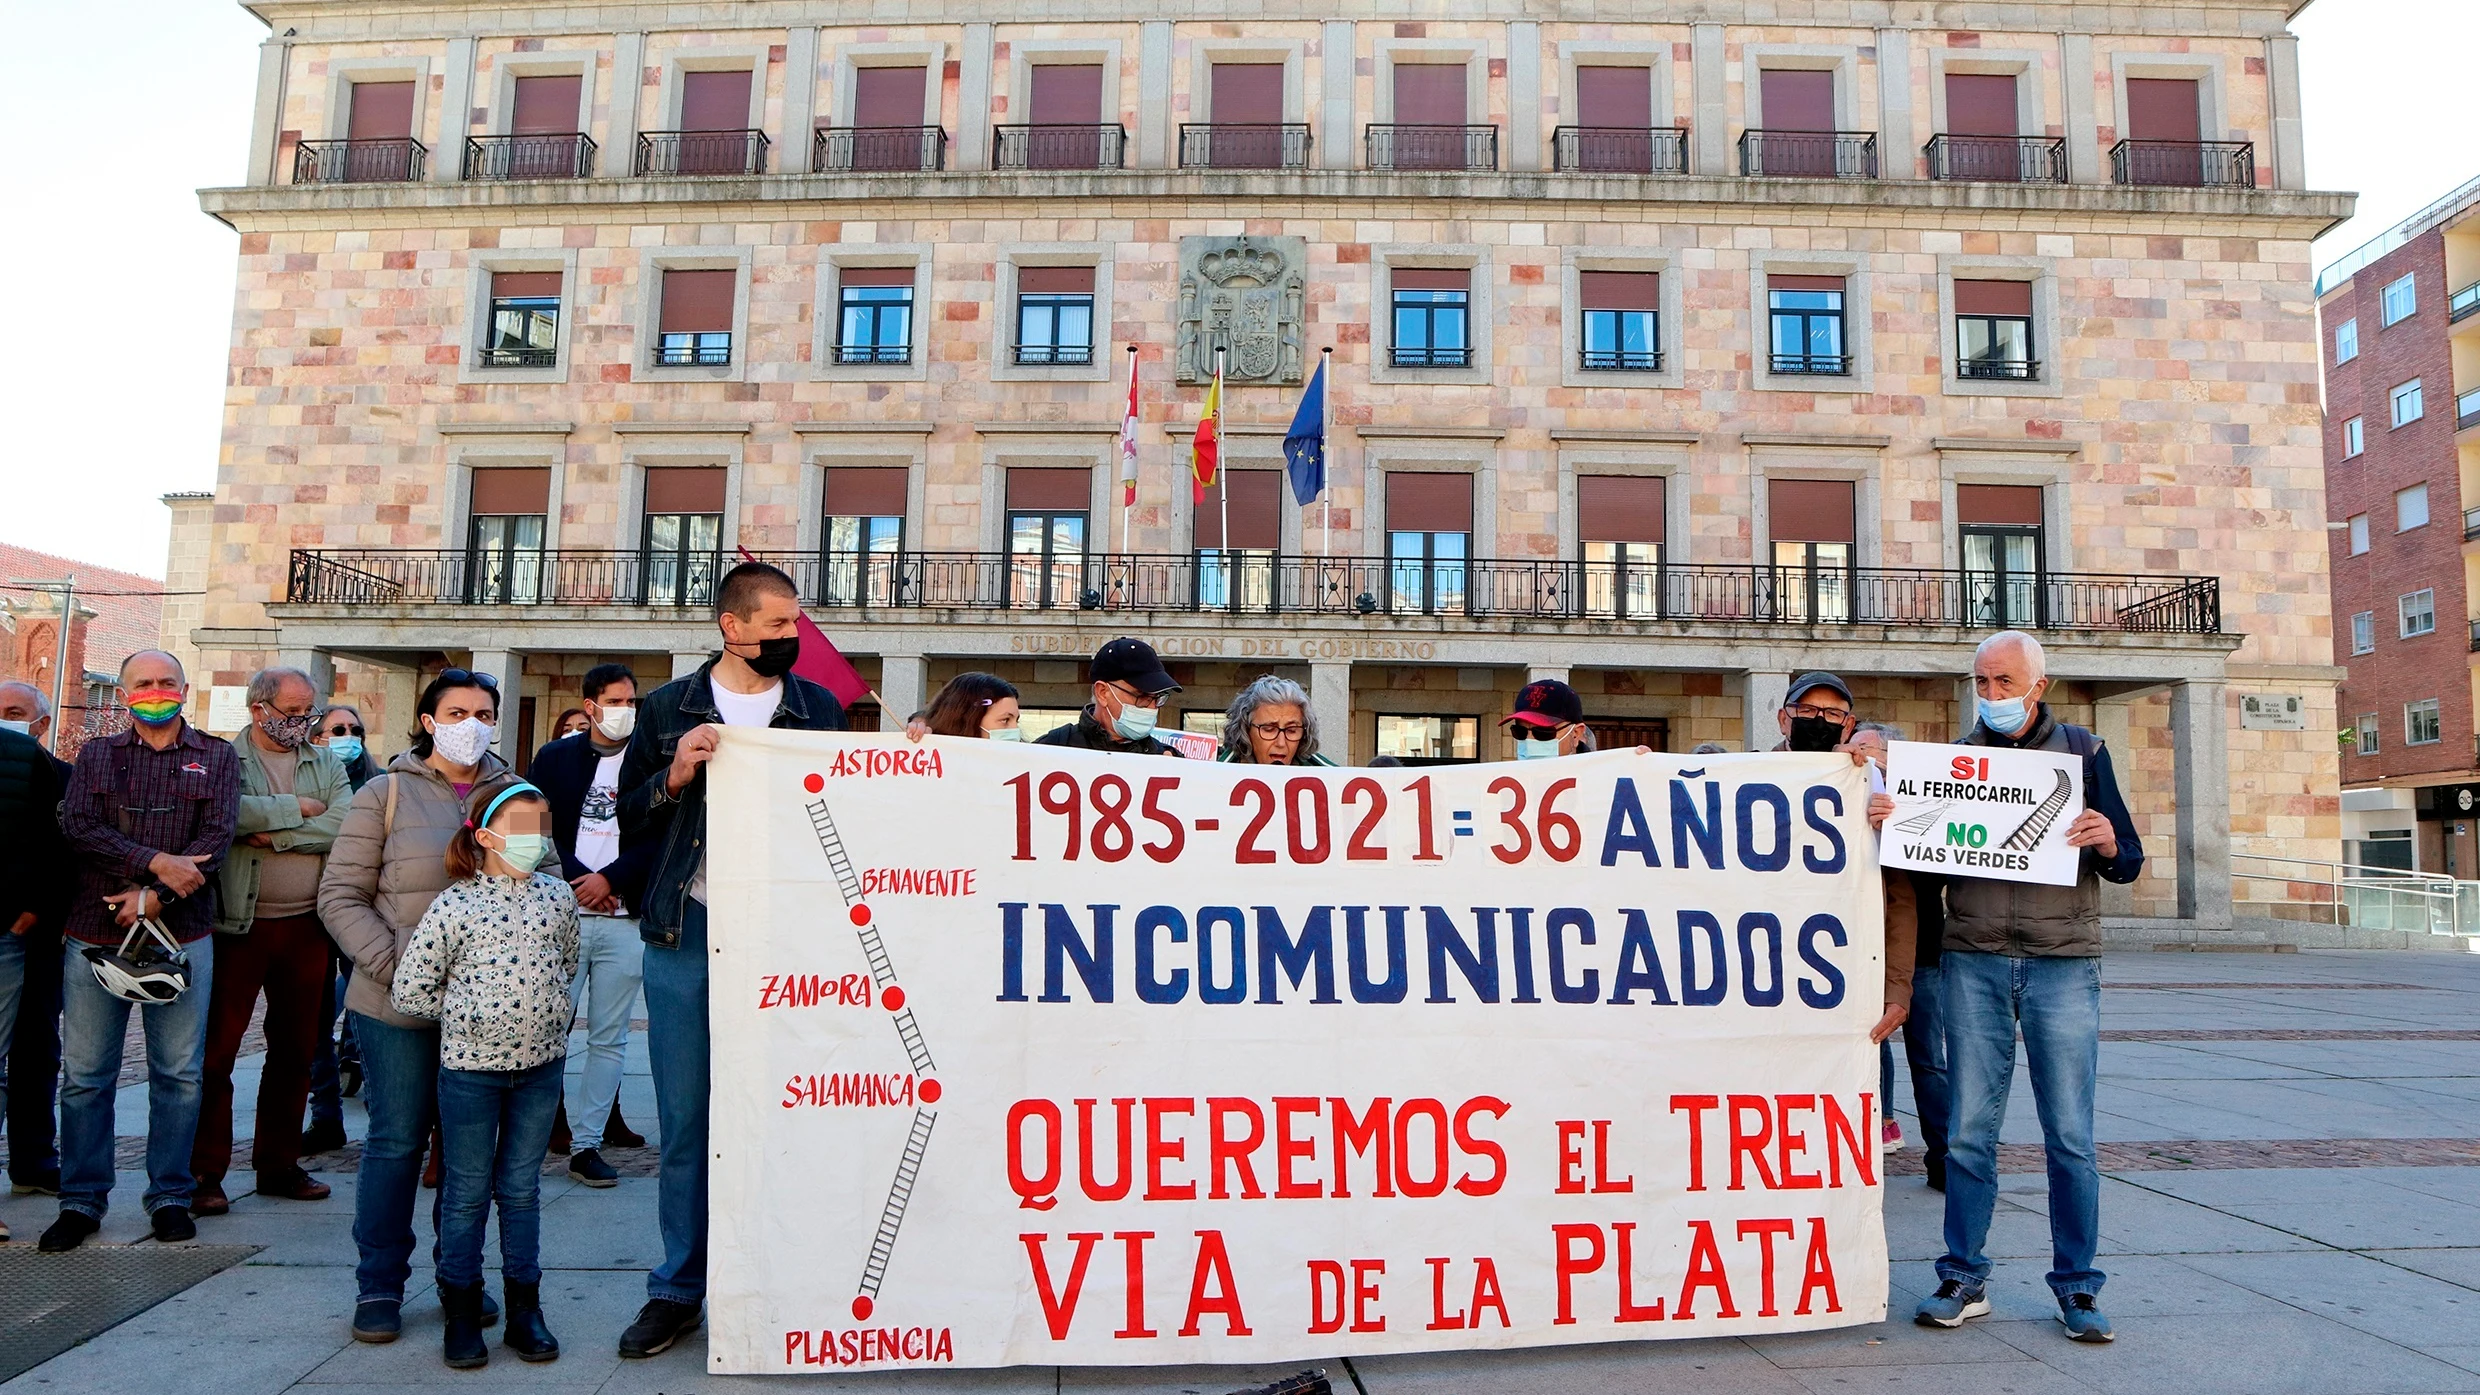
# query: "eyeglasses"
{"points": [[1809, 709], [353, 730], [1288, 731], [467, 678]]}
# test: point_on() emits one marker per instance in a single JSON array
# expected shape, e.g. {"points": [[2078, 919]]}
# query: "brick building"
{"points": [[2402, 390], [1670, 355], [113, 614]]}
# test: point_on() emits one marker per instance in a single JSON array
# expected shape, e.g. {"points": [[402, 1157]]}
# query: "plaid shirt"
{"points": [[127, 802]]}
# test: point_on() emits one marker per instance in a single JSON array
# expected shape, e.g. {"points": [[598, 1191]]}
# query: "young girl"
{"points": [[492, 960]]}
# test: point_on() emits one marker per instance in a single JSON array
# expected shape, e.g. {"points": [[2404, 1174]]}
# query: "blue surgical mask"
{"points": [[1004, 733], [21, 728], [347, 748], [1527, 749], [1134, 723], [2005, 716]]}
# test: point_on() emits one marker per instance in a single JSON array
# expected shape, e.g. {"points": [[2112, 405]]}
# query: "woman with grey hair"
{"points": [[1269, 724]]}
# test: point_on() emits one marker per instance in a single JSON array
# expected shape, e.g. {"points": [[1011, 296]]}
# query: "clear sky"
{"points": [[112, 374]]}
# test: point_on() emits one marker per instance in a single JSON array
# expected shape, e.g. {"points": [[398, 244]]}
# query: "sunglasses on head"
{"points": [[467, 678]]}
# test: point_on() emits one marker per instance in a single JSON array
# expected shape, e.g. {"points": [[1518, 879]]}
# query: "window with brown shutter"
{"points": [[1256, 511], [1981, 104], [1797, 99], [1614, 97], [2009, 505], [683, 539], [1622, 326], [695, 323], [1431, 310], [380, 111], [511, 490], [860, 491], [864, 535], [2003, 553], [715, 100], [1054, 315], [1248, 94], [507, 511], [1807, 326], [1429, 502], [1809, 510], [523, 329], [546, 105], [1430, 94], [1050, 491], [685, 489], [2164, 109], [1614, 129], [889, 96], [1993, 329], [1065, 94], [1619, 521]]}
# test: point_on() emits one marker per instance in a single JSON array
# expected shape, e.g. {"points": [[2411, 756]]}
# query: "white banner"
{"points": [[1983, 811], [1025, 1055]]}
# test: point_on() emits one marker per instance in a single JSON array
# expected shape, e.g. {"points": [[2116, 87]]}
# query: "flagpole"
{"points": [[1326, 447], [1124, 503], [1222, 486]]}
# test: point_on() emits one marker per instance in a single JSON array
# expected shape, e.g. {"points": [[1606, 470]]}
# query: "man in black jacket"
{"points": [[33, 893], [1129, 686], [580, 775], [36, 878]]}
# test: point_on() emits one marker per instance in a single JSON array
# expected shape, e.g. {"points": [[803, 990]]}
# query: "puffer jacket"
{"points": [[378, 884]]}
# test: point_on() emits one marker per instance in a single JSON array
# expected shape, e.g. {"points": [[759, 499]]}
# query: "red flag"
{"points": [[821, 662]]}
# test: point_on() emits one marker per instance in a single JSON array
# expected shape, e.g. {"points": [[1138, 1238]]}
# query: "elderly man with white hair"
{"points": [[2025, 957]]}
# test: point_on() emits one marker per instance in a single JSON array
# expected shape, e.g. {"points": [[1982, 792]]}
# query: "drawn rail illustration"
{"points": [[1927, 819], [908, 1032], [2035, 827]]}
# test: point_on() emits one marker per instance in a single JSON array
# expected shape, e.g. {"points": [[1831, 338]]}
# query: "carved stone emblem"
{"points": [[1245, 295]]}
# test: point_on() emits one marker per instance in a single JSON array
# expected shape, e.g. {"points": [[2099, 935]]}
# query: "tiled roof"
{"points": [[123, 622]]}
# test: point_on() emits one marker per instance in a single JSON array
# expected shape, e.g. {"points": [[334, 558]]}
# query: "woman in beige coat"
{"points": [[388, 862]]}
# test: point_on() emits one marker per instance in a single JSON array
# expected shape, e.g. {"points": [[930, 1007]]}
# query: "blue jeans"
{"points": [[400, 1087], [34, 1063], [12, 990], [610, 958], [93, 1024], [677, 1040], [2057, 1004], [494, 1127], [1924, 1045], [326, 1089]]}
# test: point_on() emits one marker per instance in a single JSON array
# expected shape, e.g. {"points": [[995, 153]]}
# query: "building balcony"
{"points": [[517, 356], [2185, 164], [359, 161], [1236, 146], [1998, 159], [665, 153], [2463, 304], [2471, 524], [879, 150], [2005, 370], [1811, 365], [1620, 360], [1808, 154], [904, 584], [1102, 147], [529, 157], [1431, 147], [1619, 150], [2467, 410]]}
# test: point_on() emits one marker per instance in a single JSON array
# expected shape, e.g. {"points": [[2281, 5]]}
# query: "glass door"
{"points": [[2002, 576], [682, 557], [503, 562], [1426, 572], [1046, 559]]}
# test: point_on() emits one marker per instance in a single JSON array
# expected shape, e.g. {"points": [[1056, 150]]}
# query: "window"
{"points": [[1622, 317], [887, 131], [525, 320], [1432, 316], [2354, 438], [695, 329], [1427, 128], [2002, 553], [1428, 540], [507, 509], [1066, 127], [2410, 508], [863, 536], [2398, 302], [715, 135], [2407, 405], [2368, 733], [1619, 519], [1239, 576], [2346, 341], [1429, 740], [1245, 127], [1811, 523], [2359, 534], [2418, 612], [1807, 313], [1980, 137], [1993, 329], [682, 542], [2420, 725], [2364, 632], [1055, 315], [1046, 513], [1800, 119], [1614, 125], [2389, 848], [874, 314]]}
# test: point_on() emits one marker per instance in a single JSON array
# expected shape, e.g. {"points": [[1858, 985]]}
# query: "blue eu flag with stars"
{"points": [[1304, 446]]}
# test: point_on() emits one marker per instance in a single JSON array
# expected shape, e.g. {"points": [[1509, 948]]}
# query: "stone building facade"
{"points": [[1670, 353]]}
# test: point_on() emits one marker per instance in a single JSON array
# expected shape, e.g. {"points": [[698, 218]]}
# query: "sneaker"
{"points": [[39, 1184], [172, 1224], [5, 1237], [659, 1324], [586, 1165], [323, 1136], [378, 1321], [1953, 1302], [67, 1233], [2081, 1315], [1892, 1135]]}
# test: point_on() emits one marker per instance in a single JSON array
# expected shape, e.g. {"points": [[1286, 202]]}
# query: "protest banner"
{"points": [[1026, 1055], [1983, 811]]}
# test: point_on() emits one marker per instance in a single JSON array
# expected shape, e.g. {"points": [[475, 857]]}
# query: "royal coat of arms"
{"points": [[1243, 295]]}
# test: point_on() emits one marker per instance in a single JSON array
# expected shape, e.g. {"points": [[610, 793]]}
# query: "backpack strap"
{"points": [[387, 819]]}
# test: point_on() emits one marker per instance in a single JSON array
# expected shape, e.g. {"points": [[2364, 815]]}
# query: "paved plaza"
{"points": [[2292, 1204]]}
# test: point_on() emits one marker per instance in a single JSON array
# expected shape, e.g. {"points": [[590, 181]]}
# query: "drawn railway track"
{"points": [[2035, 827]]}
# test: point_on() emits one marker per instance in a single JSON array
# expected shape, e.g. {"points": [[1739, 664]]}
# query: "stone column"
{"points": [[2110, 723], [618, 156], [386, 733], [508, 666], [684, 664], [1338, 137], [1154, 125], [1524, 95], [2200, 738], [1898, 145], [903, 688], [456, 113], [1330, 702], [318, 663], [795, 136], [2290, 164], [1712, 119], [2075, 83], [1762, 696], [267, 120], [973, 99]]}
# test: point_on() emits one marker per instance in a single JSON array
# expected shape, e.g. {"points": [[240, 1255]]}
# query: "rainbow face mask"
{"points": [[155, 706]]}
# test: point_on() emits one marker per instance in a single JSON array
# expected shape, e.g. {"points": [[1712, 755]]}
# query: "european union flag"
{"points": [[1304, 446]]}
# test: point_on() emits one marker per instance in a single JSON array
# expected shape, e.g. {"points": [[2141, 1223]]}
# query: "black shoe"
{"points": [[490, 1309], [586, 1165], [659, 1324], [527, 1335], [172, 1224], [36, 1184], [349, 1078], [462, 1345], [67, 1233], [1936, 1166], [378, 1321], [323, 1136]]}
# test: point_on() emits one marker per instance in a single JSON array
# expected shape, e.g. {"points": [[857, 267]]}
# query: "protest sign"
{"points": [[1025, 1055], [1983, 811]]}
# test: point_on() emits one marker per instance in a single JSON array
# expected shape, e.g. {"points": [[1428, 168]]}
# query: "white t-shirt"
{"points": [[598, 821], [738, 710]]}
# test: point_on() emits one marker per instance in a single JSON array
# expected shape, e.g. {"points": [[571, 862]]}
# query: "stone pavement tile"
{"points": [[682, 1371], [1194, 1380], [2278, 1186], [613, 1228], [2138, 1220], [2467, 1357], [1898, 1341], [2454, 1266], [2375, 1108], [2349, 1058], [2392, 1219], [586, 1311], [2151, 1060], [2159, 1115], [250, 1329], [2412, 1310], [2140, 1286], [1995, 1378], [1719, 1364], [2297, 1108], [2238, 1354]]}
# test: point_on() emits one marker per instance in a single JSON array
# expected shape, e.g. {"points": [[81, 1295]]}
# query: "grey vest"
{"points": [[2026, 920]]}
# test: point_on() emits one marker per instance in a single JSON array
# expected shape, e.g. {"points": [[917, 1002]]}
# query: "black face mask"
{"points": [[1815, 734], [775, 656]]}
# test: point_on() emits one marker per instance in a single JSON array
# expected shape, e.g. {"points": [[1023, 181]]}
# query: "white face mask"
{"points": [[616, 723], [21, 728], [1004, 733], [461, 743]]}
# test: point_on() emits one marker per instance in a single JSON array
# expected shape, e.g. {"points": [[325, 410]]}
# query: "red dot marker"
{"points": [[929, 1091], [813, 783], [861, 914], [893, 998], [862, 1308]]}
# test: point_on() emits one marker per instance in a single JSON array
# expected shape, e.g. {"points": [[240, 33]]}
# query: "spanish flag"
{"points": [[1209, 447]]}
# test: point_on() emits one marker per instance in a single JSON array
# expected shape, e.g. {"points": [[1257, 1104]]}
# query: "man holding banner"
{"points": [[2024, 955]]}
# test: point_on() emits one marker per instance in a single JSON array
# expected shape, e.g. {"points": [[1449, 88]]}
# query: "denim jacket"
{"points": [[675, 824]]}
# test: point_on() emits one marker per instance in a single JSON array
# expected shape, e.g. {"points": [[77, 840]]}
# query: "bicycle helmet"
{"points": [[149, 968]]}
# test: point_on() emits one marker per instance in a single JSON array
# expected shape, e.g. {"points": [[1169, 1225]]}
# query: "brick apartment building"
{"points": [[2402, 487]]}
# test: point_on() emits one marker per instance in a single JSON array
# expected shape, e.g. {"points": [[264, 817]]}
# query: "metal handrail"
{"points": [[1620, 360], [1812, 365], [1244, 145], [1998, 159], [390, 161], [2349, 893], [1808, 154], [2002, 369], [879, 149], [1398, 146], [701, 152], [1619, 149], [568, 156], [2467, 409], [874, 353], [2185, 164], [1099, 146], [2463, 303]]}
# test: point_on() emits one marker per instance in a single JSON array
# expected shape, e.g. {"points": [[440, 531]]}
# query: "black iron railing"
{"points": [[1998, 159], [2008, 369], [1808, 154], [1226, 145], [529, 157], [2186, 164], [1431, 147], [359, 161], [873, 353], [1459, 356], [1102, 147], [897, 149], [1821, 365], [522, 357], [692, 355], [701, 152], [1054, 355], [1480, 588], [1620, 149], [1622, 360]]}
